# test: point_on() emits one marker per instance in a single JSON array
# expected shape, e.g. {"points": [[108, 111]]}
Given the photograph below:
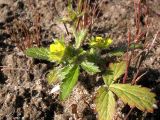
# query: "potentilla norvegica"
{"points": [[72, 60]]}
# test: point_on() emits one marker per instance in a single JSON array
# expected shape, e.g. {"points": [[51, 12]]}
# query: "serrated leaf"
{"points": [[93, 55], [90, 67], [105, 104], [114, 72], [39, 53], [74, 14], [79, 37], [53, 75], [69, 82], [71, 12], [58, 73], [135, 96]]}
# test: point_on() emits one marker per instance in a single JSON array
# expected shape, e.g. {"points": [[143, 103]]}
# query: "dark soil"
{"points": [[24, 92]]}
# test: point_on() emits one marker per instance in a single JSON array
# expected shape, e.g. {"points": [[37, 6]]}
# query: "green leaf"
{"points": [[69, 82], [114, 72], [79, 37], [117, 52], [52, 76], [105, 104], [58, 73], [135, 96], [74, 56], [72, 14], [39, 53], [94, 55], [90, 67], [136, 46]]}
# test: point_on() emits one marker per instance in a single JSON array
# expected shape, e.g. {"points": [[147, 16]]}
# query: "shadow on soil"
{"points": [[3, 78], [89, 114]]}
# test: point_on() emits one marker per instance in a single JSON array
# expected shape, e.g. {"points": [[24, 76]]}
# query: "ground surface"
{"points": [[24, 92]]}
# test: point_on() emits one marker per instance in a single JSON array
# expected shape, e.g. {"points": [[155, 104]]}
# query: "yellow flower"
{"points": [[109, 41], [98, 39], [101, 42], [57, 50]]}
